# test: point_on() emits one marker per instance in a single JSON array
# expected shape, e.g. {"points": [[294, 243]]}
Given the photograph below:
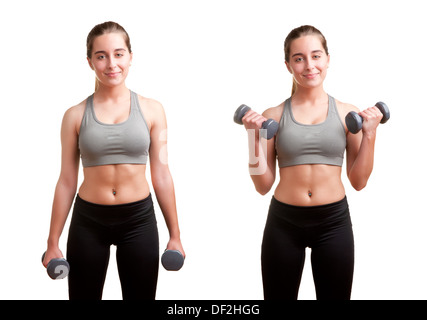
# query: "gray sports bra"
{"points": [[322, 143], [125, 142]]}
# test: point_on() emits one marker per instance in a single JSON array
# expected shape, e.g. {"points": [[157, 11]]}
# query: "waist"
{"points": [[309, 216], [114, 184], [113, 213], [310, 185]]}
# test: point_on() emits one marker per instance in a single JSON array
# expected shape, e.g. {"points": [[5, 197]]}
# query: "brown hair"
{"points": [[101, 29], [299, 32]]}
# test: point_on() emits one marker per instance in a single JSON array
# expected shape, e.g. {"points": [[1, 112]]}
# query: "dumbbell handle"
{"points": [[354, 121], [271, 126]]}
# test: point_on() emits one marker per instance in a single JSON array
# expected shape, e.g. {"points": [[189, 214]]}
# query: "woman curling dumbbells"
{"points": [[309, 207], [115, 131]]}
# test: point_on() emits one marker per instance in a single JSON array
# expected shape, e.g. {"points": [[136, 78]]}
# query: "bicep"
{"points": [[271, 156], [158, 139], [352, 149], [275, 114], [70, 151]]}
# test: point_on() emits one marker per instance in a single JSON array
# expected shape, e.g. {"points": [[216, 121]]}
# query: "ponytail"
{"points": [[294, 87]]}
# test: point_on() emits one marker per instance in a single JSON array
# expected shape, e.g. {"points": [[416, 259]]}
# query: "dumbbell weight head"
{"points": [[354, 122], [172, 260], [57, 268], [270, 128], [240, 113], [384, 110]]}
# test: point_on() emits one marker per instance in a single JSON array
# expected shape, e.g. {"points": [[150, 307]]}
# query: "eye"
{"points": [[100, 57], [298, 59], [119, 55], [317, 56]]}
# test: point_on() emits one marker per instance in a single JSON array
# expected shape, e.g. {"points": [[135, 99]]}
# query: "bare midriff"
{"points": [[310, 185], [114, 184]]}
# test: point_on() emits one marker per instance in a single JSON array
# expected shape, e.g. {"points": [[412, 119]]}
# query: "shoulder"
{"points": [[274, 113], [74, 114], [150, 104], [152, 110], [345, 108], [76, 109]]}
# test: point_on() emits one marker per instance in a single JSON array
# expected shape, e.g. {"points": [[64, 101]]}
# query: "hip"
{"points": [[306, 217], [110, 216]]}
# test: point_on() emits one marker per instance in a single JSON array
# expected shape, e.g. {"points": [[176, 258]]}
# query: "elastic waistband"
{"points": [[310, 215], [113, 212]]}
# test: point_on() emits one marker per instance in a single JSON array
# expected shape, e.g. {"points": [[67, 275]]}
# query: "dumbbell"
{"points": [[57, 268], [354, 121], [172, 260], [271, 126]]}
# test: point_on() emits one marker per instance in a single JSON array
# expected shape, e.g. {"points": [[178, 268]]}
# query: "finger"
{"points": [[371, 113], [249, 115], [254, 118]]}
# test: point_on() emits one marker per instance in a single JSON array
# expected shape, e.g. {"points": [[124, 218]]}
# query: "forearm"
{"points": [[60, 209], [261, 173], [165, 194], [364, 163]]}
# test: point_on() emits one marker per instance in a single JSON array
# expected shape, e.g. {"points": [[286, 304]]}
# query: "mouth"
{"points": [[112, 74], [311, 75]]}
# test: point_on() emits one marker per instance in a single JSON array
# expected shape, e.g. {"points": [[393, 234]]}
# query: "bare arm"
{"points": [[360, 149], [161, 176], [262, 152], [66, 185]]}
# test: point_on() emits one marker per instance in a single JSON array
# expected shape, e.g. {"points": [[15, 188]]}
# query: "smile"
{"points": [[311, 75], [112, 74]]}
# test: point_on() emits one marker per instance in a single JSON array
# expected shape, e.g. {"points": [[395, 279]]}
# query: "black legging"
{"points": [[94, 228], [289, 230]]}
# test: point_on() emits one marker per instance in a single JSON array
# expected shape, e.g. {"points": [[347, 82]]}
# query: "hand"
{"points": [[253, 120], [371, 119], [175, 245], [51, 253]]}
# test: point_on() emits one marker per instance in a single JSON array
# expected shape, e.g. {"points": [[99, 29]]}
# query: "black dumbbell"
{"points": [[354, 121], [57, 268], [172, 260], [271, 126]]}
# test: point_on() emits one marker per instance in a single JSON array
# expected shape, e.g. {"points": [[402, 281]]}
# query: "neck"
{"points": [[112, 93], [312, 95]]}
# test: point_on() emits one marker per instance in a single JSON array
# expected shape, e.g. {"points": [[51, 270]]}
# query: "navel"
{"points": [[309, 193], [114, 192]]}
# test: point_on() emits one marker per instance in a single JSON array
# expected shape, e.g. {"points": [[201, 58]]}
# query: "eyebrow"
{"points": [[300, 54], [115, 50]]}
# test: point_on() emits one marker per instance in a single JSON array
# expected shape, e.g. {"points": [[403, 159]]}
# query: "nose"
{"points": [[112, 62], [310, 64]]}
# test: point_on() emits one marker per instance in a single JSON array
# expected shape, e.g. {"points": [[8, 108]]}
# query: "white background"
{"points": [[201, 60]]}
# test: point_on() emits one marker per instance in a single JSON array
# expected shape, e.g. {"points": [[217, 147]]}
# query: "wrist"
{"points": [[52, 242], [175, 234], [370, 134]]}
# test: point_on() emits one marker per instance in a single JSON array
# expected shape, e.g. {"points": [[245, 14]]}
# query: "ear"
{"points": [[288, 67], [131, 57], [90, 64], [329, 59]]}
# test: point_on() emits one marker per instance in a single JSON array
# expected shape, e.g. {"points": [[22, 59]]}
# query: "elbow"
{"points": [[359, 185], [263, 190], [67, 183], [358, 180], [263, 181]]}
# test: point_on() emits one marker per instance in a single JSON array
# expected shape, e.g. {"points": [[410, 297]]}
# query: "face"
{"points": [[308, 61], [110, 59]]}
